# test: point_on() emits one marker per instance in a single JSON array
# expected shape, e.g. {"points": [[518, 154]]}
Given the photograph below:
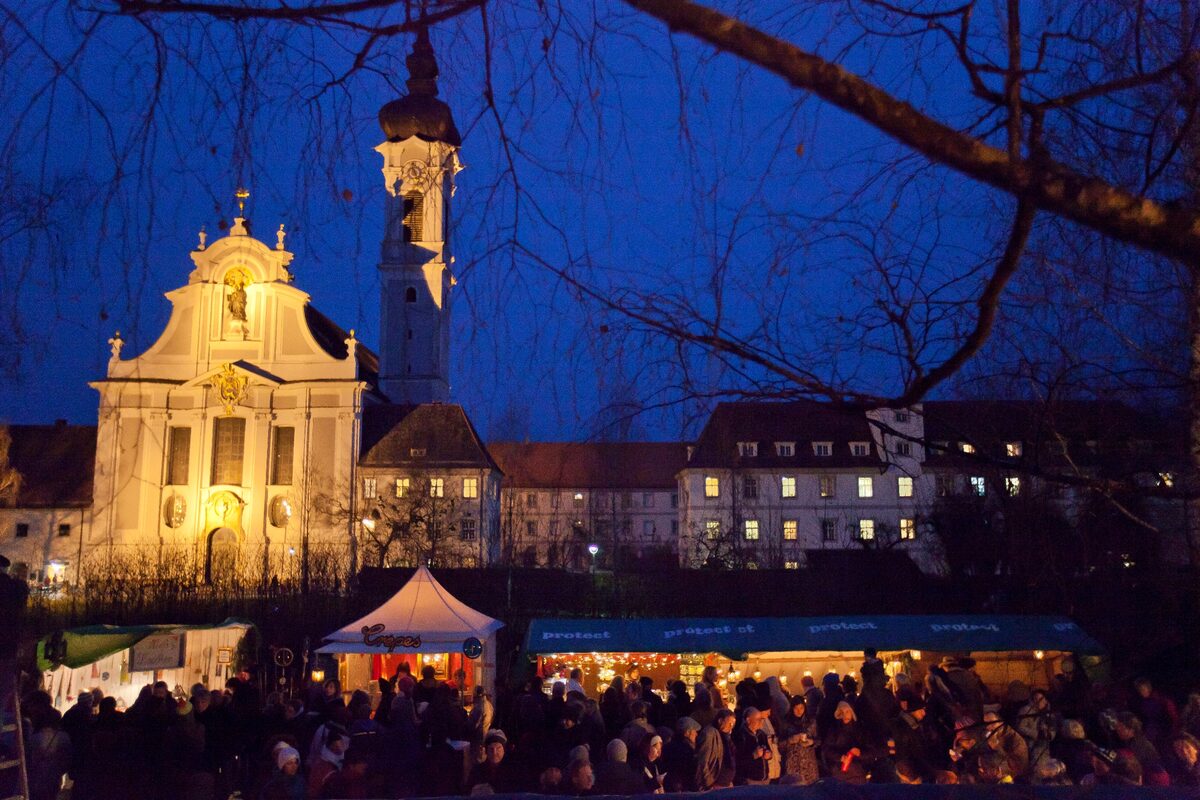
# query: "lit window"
{"points": [[866, 486], [966, 447], [177, 460], [748, 449], [402, 487], [470, 488], [467, 529], [712, 528], [790, 529], [822, 448], [1012, 486], [750, 488], [860, 449], [437, 487], [904, 448], [828, 486], [866, 529], [577, 501], [904, 486], [908, 529], [1012, 449], [229, 436], [369, 488], [791, 565], [787, 487], [751, 529], [829, 530], [283, 442], [978, 485], [712, 486], [785, 449], [1166, 479]]}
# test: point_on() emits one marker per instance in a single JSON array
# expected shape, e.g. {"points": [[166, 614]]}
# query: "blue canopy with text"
{"points": [[738, 636]]}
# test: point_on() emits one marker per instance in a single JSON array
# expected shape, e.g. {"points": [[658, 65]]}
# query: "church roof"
{"points": [[333, 341], [419, 113], [419, 436], [590, 465], [56, 462]]}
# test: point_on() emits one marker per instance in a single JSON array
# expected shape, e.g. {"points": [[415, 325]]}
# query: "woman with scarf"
{"points": [[798, 743]]}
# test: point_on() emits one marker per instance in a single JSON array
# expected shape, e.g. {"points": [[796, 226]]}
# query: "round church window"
{"points": [[280, 511], [174, 511]]}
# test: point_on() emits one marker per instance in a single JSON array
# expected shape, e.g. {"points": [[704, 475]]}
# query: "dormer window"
{"points": [[747, 449], [901, 416], [822, 448], [410, 296], [860, 448], [416, 452], [785, 449], [1012, 449]]}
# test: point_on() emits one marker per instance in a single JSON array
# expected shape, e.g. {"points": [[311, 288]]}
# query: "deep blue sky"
{"points": [[643, 162]]}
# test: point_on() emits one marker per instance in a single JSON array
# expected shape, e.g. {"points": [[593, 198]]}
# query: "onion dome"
{"points": [[420, 113]]}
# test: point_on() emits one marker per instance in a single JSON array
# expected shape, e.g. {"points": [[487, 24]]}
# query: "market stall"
{"points": [[120, 660], [1004, 647], [423, 625]]}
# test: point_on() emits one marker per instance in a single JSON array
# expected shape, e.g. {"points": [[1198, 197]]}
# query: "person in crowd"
{"points": [[581, 780], [639, 725], [286, 783], [426, 688], [647, 765], [1128, 730], [710, 757], [753, 749], [575, 681], [351, 782], [798, 743], [1184, 763], [1072, 748], [679, 700], [831, 696], [614, 775], [844, 749], [1051, 772], [708, 683], [1003, 739], [494, 770], [334, 744], [679, 756]]}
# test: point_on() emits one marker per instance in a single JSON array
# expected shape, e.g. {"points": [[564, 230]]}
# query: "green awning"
{"points": [[93, 642]]}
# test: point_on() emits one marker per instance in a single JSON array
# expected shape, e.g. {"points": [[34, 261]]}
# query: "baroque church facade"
{"points": [[239, 434]]}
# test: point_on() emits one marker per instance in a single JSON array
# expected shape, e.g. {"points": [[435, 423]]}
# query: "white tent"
{"points": [[422, 618]]}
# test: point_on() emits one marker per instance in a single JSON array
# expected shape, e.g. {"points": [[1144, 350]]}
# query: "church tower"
{"points": [[420, 159]]}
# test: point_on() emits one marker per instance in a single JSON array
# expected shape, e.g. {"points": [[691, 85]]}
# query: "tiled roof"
{"points": [[417, 436], [333, 341], [1095, 432], [590, 465], [56, 462], [802, 422]]}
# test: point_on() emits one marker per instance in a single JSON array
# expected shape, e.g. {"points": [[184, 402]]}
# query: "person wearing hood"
{"points": [[614, 775], [329, 759], [710, 757], [831, 696], [285, 783], [844, 749], [647, 765]]}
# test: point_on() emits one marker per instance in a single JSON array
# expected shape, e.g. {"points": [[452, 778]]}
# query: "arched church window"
{"points": [[410, 294], [414, 217], [229, 438]]}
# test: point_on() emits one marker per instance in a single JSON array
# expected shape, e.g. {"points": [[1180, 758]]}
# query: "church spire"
{"points": [[420, 160]]}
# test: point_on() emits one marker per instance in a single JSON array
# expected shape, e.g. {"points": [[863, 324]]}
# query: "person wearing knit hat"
{"points": [[495, 735], [614, 775], [286, 782]]}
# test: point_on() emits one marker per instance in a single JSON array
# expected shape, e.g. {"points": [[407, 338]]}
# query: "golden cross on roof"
{"points": [[241, 194]]}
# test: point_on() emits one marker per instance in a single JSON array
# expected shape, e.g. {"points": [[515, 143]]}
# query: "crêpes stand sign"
{"points": [[375, 636]]}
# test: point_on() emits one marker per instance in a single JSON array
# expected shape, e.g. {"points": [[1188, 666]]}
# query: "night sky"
{"points": [[631, 160]]}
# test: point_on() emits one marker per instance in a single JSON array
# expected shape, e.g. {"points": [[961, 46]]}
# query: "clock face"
{"points": [[472, 648]]}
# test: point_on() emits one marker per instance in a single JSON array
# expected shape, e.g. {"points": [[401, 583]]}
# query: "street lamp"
{"points": [[593, 549]]}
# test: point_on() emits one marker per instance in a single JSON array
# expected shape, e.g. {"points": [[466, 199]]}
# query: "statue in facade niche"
{"points": [[236, 301]]}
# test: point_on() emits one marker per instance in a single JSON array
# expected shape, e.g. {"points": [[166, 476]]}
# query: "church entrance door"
{"points": [[221, 560]]}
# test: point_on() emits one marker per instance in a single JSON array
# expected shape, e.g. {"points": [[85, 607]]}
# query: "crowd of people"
{"points": [[424, 737]]}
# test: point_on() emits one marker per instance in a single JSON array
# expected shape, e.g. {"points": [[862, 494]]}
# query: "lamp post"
{"points": [[593, 549]]}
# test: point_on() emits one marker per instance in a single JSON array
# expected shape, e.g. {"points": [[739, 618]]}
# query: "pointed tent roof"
{"points": [[423, 614]]}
